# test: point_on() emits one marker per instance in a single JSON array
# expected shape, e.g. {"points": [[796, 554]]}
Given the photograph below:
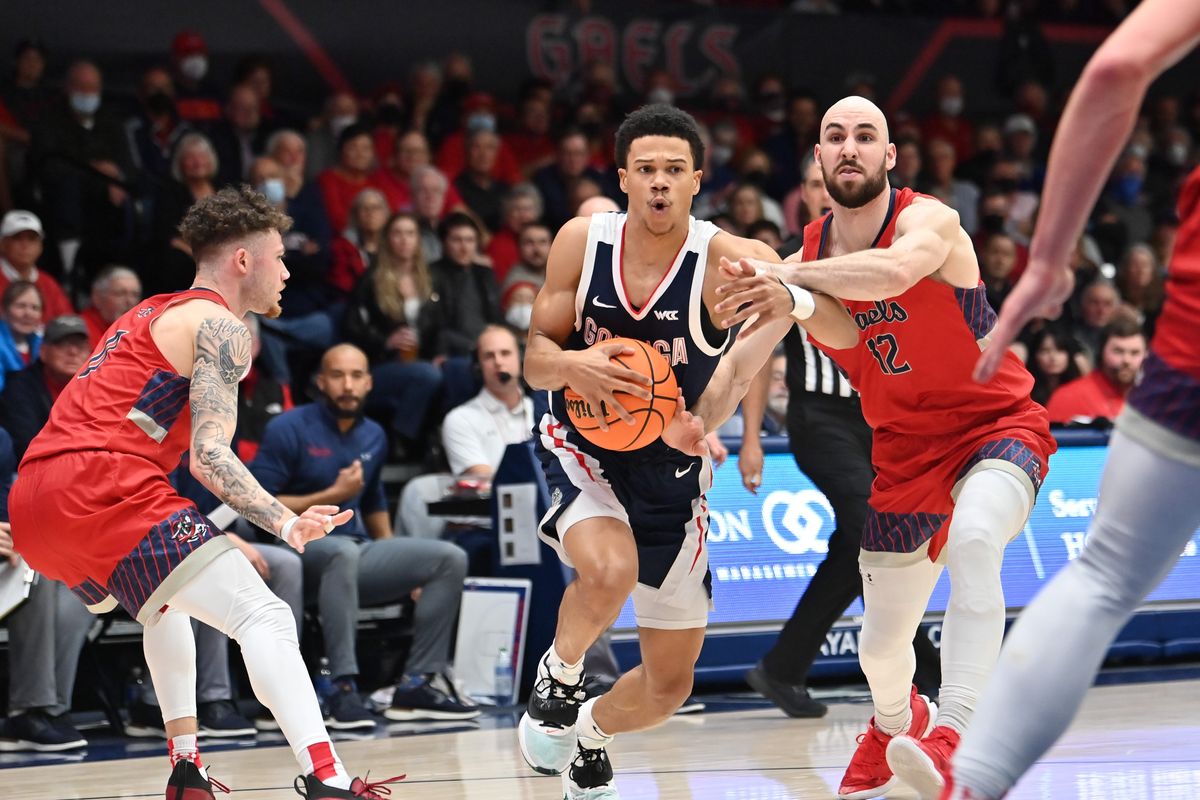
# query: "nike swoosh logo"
{"points": [[596, 302], [679, 473]]}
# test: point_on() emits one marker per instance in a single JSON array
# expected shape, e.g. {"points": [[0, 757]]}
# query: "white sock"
{"points": [[186, 748], [893, 724], [559, 669], [590, 735]]}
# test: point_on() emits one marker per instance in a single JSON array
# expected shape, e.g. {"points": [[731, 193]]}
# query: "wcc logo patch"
{"points": [[187, 530], [95, 362]]}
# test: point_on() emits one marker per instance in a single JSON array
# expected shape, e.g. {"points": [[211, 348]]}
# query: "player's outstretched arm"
{"points": [[589, 372], [1095, 126], [222, 356]]}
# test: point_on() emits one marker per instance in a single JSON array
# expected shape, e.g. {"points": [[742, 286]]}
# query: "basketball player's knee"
{"points": [[608, 580], [879, 649], [975, 586], [668, 692], [266, 613]]}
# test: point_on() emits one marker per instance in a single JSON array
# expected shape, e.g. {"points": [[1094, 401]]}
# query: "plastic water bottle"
{"points": [[324, 682], [503, 678]]}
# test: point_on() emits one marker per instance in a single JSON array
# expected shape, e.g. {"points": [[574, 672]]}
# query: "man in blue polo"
{"points": [[327, 452]]}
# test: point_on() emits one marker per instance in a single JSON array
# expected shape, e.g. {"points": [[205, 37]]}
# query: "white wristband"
{"points": [[803, 303], [286, 530]]}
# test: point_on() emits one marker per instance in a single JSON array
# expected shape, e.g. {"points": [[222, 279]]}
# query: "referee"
{"points": [[831, 443]]}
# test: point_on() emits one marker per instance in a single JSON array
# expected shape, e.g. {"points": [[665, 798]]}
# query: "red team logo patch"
{"points": [[187, 530]]}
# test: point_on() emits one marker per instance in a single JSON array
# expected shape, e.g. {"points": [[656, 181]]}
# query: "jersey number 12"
{"points": [[886, 352]]}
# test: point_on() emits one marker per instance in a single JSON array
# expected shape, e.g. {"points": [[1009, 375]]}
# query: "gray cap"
{"points": [[17, 221], [62, 327]]}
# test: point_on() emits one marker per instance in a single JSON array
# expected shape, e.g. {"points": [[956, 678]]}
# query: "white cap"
{"points": [[17, 221]]}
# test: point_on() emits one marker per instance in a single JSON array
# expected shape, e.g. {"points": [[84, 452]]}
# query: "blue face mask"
{"points": [[481, 121], [85, 104], [273, 190], [1128, 188]]}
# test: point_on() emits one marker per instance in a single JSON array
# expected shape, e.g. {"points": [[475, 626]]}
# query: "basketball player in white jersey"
{"points": [[635, 523]]}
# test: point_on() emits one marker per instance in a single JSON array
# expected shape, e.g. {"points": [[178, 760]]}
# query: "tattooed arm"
{"points": [[221, 359]]}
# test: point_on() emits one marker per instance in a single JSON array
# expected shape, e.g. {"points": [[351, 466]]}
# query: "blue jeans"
{"points": [[403, 393]]}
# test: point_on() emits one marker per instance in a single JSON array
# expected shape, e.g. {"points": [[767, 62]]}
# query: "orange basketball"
{"points": [[650, 416]]}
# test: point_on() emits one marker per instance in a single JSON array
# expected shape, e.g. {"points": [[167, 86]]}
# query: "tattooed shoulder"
{"points": [[223, 344]]}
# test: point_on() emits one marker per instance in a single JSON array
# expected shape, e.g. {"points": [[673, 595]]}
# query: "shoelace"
{"points": [[588, 759], [872, 761], [375, 791], [216, 784], [557, 690]]}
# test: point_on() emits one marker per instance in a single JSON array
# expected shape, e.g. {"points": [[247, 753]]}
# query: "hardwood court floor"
{"points": [[1132, 742]]}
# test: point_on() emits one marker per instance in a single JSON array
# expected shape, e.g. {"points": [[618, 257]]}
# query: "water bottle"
{"points": [[324, 682], [503, 678], [135, 688]]}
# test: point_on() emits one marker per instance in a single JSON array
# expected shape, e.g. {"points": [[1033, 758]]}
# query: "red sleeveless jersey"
{"points": [[1175, 335], [916, 351], [127, 399]]}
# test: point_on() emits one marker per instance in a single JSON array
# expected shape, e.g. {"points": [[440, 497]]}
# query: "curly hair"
{"points": [[659, 119], [233, 213]]}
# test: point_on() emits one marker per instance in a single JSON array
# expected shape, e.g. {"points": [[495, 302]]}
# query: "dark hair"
{"points": [[760, 225], [1044, 384], [535, 224], [352, 132], [233, 213], [247, 65], [1121, 327], [659, 119], [16, 289], [456, 220]]}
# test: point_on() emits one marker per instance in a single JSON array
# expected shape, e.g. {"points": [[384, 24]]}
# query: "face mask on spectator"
{"points": [[660, 94], [272, 189], [340, 123], [778, 406], [1128, 188], [85, 104], [721, 153], [519, 316], [194, 68], [1177, 153], [992, 223], [951, 106], [389, 114], [481, 121]]}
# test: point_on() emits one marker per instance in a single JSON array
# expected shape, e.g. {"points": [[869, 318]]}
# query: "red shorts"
{"points": [[108, 525], [917, 477]]}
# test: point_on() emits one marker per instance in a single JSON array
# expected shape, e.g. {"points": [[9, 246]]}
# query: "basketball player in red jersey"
{"points": [[92, 505], [634, 523], [1147, 511], [958, 463]]}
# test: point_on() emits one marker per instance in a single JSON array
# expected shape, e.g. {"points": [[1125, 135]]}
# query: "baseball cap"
{"points": [[188, 43], [17, 221], [1020, 123], [62, 327]]}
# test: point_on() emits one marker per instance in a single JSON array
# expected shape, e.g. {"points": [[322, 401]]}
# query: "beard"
{"points": [[274, 311], [868, 190], [341, 411]]}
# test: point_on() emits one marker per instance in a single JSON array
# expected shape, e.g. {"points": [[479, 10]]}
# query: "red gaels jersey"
{"points": [[1175, 334], [127, 398], [916, 351]]}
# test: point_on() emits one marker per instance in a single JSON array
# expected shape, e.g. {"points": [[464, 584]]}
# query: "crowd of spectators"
{"points": [[424, 215]]}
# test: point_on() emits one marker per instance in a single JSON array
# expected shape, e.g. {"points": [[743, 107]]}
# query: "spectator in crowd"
{"points": [[383, 318], [194, 175], [341, 110], [20, 327], [745, 207], [996, 263], [424, 88], [195, 98], [1123, 215], [1099, 305], [29, 394], [1053, 361], [808, 201], [429, 198], [114, 291], [774, 422], [326, 452], [477, 183], [521, 206], [26, 94], [793, 142], [154, 131], [1101, 393], [907, 172], [306, 244], [531, 143], [516, 303], [556, 181], [240, 136], [465, 296], [478, 114], [1141, 281], [45, 636], [410, 151], [343, 182], [21, 245], [355, 251], [534, 247], [767, 232], [947, 122], [76, 147], [255, 71], [960, 195]]}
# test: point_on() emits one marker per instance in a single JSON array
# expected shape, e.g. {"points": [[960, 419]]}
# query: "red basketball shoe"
{"points": [[311, 788], [869, 774], [924, 764]]}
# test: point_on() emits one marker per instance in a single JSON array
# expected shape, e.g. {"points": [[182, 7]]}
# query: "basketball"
{"points": [[650, 416]]}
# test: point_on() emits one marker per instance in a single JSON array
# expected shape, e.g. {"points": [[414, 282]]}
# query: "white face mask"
{"points": [[778, 406], [273, 190], [519, 316], [951, 106], [661, 94], [194, 68], [340, 123], [85, 104]]}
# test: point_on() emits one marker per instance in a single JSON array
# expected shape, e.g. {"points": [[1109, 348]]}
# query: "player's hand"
{"points": [[315, 523], [752, 288], [1038, 295], [7, 552], [595, 377], [717, 449], [685, 431], [349, 482], [252, 555], [750, 463]]}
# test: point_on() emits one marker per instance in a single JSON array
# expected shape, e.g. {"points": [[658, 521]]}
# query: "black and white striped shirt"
{"points": [[810, 371]]}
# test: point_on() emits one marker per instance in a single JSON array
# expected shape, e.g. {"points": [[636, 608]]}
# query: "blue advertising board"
{"points": [[764, 549]]}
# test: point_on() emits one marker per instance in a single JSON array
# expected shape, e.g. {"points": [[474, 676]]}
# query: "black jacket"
{"points": [[25, 405], [447, 329]]}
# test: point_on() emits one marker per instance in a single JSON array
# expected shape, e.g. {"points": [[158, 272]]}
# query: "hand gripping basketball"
{"points": [[313, 524], [624, 396]]}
